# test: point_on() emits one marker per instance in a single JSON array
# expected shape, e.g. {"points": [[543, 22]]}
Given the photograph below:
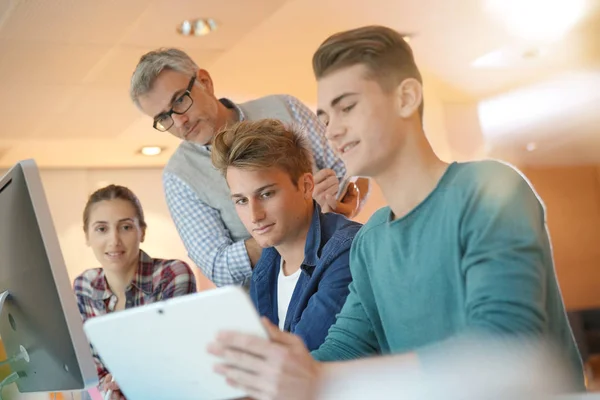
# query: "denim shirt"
{"points": [[322, 287]]}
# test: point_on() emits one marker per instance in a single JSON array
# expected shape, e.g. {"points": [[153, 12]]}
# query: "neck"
{"points": [[412, 175], [292, 249], [226, 116], [119, 280]]}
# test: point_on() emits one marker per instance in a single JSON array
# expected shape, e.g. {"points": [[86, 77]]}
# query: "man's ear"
{"points": [[204, 79], [307, 185], [409, 96]]}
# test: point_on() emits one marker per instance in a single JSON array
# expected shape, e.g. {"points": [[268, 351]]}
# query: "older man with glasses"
{"points": [[169, 87]]}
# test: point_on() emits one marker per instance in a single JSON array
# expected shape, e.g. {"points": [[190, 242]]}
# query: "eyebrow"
{"points": [[260, 189], [335, 101], [173, 98], [121, 220]]}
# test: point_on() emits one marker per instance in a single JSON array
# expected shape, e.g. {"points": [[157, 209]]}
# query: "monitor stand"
{"points": [[22, 355]]}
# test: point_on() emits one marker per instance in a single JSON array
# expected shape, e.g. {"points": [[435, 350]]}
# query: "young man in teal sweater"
{"points": [[461, 251]]}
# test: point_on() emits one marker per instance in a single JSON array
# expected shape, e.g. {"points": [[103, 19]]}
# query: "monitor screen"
{"points": [[40, 312]]}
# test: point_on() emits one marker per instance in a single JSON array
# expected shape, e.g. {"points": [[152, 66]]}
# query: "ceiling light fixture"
{"points": [[197, 27], [151, 151], [493, 59], [531, 146], [538, 20]]}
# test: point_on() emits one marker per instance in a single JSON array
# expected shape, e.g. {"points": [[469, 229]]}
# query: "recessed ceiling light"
{"points": [[151, 150], [197, 27], [493, 59], [534, 52], [531, 146]]}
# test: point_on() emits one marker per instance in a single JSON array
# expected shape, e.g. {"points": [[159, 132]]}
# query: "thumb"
{"points": [[275, 334], [272, 330]]}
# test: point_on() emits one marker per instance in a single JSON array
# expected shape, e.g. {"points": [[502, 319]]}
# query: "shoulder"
{"points": [[278, 98], [485, 169], [372, 231], [84, 282], [337, 233], [272, 106], [299, 110], [378, 220], [486, 174], [272, 100], [178, 156], [268, 260], [494, 184], [338, 227], [171, 269]]}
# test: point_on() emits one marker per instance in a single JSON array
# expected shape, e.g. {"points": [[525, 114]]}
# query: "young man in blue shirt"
{"points": [[300, 282], [461, 251]]}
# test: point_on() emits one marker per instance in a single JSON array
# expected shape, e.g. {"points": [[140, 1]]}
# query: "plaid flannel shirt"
{"points": [[155, 280]]}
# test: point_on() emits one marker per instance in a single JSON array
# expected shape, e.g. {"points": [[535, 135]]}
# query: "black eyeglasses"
{"points": [[164, 121]]}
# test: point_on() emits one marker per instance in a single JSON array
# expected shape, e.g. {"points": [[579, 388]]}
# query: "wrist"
{"points": [[318, 378]]}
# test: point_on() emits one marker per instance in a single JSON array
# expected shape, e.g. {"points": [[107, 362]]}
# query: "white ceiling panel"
{"points": [[42, 98], [94, 113], [22, 124], [36, 62], [27, 109], [72, 21]]}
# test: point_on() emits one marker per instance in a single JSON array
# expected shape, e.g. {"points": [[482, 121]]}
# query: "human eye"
{"points": [[161, 119], [179, 100], [267, 194], [349, 108], [241, 202]]}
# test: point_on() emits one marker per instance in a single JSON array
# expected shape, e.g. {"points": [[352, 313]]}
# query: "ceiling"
{"points": [[489, 78]]}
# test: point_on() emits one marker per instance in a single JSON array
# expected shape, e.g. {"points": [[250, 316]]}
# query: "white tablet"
{"points": [[158, 351]]}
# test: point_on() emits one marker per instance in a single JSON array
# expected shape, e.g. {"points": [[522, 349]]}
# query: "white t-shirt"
{"points": [[285, 290]]}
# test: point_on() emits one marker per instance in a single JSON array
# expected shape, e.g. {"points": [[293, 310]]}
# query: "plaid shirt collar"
{"points": [[140, 279]]}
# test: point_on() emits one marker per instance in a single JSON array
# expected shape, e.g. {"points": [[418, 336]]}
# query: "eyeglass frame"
{"points": [[188, 93]]}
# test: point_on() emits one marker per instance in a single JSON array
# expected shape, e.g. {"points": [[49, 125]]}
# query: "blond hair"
{"points": [[383, 51], [253, 145]]}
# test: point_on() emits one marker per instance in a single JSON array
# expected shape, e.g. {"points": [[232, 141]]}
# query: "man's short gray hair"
{"points": [[153, 63]]}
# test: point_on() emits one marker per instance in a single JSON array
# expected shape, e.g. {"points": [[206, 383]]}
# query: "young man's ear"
{"points": [[409, 95], [143, 235], [307, 185]]}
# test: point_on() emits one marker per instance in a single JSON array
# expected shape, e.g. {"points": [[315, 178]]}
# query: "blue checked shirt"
{"points": [[200, 227]]}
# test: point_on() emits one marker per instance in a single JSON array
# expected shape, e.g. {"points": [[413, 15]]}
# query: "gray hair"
{"points": [[153, 63]]}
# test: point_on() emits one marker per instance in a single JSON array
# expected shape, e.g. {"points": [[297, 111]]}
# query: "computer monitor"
{"points": [[40, 311]]}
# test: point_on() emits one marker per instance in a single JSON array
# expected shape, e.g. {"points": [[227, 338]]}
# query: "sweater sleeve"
{"points": [[506, 260]]}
